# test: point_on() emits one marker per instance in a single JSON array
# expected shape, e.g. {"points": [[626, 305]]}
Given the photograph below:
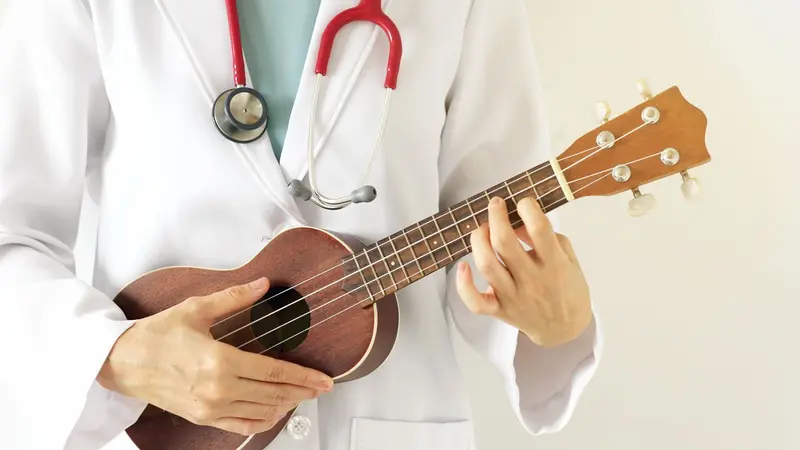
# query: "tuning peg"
{"points": [[603, 111], [641, 204], [690, 187], [644, 89]]}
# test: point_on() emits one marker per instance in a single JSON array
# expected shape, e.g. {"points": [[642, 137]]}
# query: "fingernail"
{"points": [[496, 201], [325, 385], [258, 284]]}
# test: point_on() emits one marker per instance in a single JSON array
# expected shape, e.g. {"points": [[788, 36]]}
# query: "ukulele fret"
{"points": [[413, 254], [472, 214], [388, 269], [428, 246], [511, 194], [400, 258], [455, 223], [445, 243], [535, 192], [360, 271], [375, 273]]}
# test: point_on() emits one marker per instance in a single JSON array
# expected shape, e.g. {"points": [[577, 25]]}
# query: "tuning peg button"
{"points": [[641, 204], [690, 187], [644, 89], [603, 111]]}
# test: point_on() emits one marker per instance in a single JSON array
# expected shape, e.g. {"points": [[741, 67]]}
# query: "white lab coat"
{"points": [[115, 97]]}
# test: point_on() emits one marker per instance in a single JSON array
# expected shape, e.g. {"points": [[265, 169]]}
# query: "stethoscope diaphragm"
{"points": [[241, 114]]}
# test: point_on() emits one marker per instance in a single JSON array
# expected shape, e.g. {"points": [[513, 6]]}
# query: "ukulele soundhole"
{"points": [[280, 324]]}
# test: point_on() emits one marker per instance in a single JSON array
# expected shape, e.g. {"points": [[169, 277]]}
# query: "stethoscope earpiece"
{"points": [[364, 194]]}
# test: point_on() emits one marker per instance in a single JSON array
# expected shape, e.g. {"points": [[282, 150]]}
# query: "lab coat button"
{"points": [[298, 427]]}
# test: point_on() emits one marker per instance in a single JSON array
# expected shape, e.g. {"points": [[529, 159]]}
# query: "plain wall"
{"points": [[697, 300]]}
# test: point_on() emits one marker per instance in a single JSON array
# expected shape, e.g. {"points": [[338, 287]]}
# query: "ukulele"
{"points": [[331, 304]]}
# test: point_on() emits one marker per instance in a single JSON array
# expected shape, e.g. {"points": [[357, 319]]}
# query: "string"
{"points": [[403, 265], [345, 294], [515, 223], [354, 259], [371, 264], [396, 252], [599, 146]]}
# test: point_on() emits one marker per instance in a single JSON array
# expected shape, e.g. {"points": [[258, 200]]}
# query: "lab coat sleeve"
{"points": [[496, 129], [56, 330]]}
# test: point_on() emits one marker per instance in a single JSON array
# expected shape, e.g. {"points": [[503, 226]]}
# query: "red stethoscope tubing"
{"points": [[365, 10], [368, 11], [239, 78]]}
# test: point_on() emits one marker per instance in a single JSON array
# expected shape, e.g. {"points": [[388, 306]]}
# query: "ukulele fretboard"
{"points": [[423, 248]]}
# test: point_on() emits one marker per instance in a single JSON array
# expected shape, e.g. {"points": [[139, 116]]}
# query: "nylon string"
{"points": [[407, 279], [395, 253], [361, 301]]}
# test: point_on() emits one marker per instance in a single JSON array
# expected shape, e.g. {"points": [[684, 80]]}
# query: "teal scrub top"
{"points": [[276, 35]]}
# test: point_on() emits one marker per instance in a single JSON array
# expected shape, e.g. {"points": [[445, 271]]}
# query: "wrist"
{"points": [[565, 333], [116, 373]]}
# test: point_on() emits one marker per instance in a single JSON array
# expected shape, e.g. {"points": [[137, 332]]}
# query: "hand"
{"points": [[171, 361], [541, 292]]}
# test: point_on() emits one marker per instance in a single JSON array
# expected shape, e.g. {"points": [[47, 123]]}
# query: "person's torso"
{"points": [[276, 35], [172, 191]]}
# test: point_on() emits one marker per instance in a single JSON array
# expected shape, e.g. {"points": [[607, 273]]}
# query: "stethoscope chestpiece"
{"points": [[241, 114]]}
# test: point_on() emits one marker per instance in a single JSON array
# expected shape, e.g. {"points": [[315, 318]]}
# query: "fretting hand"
{"points": [[541, 292], [171, 361]]}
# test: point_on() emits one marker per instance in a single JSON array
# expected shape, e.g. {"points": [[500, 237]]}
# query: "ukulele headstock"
{"points": [[663, 136]]}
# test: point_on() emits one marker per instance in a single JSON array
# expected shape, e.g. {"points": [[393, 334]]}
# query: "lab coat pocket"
{"points": [[374, 434]]}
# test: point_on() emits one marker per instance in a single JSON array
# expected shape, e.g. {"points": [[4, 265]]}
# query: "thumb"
{"points": [[231, 300], [483, 303]]}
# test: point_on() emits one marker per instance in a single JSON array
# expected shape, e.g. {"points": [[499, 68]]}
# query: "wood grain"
{"points": [[681, 126], [346, 347]]}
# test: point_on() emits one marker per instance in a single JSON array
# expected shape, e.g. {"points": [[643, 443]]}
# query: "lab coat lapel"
{"points": [[351, 47], [201, 27]]}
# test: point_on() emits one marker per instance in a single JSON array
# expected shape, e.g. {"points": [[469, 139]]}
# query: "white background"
{"points": [[698, 300]]}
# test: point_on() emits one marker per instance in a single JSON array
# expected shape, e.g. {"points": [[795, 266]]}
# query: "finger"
{"points": [[229, 301], [505, 241], [245, 427], [274, 393], [256, 411], [263, 368], [476, 301], [539, 229], [487, 263], [522, 235]]}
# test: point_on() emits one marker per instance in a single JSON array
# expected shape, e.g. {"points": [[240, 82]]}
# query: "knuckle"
{"points": [[279, 397], [276, 372], [505, 242], [248, 429], [484, 265], [475, 307], [214, 364], [282, 411], [271, 413], [203, 414], [215, 392], [235, 291], [193, 304]]}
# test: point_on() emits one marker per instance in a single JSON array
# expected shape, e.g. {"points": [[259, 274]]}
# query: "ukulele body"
{"points": [[312, 318]]}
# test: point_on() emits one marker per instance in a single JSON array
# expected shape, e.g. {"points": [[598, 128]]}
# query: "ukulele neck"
{"points": [[394, 262]]}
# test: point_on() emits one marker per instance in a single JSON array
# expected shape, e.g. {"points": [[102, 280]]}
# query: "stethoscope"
{"points": [[241, 114]]}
